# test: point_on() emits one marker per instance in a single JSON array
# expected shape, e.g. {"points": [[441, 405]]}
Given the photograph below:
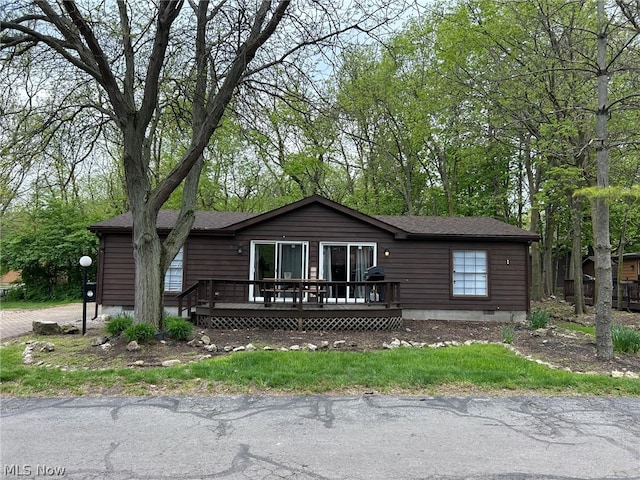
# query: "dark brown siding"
{"points": [[117, 275], [423, 267]]}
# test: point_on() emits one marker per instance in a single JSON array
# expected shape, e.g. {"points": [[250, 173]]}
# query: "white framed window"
{"points": [[173, 277], [470, 273]]}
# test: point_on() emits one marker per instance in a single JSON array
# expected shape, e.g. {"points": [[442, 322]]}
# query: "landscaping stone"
{"points": [[171, 363], [48, 347], [312, 347], [339, 343], [45, 328], [96, 342], [205, 339], [250, 347], [211, 347], [133, 346], [70, 329]]}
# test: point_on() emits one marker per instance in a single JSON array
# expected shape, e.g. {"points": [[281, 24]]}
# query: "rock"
{"points": [[45, 328], [541, 332], [294, 348], [406, 344], [250, 347], [211, 347], [228, 348], [104, 346], [241, 348], [96, 342], [27, 359], [194, 342], [284, 349], [105, 317], [133, 346], [48, 347], [171, 363], [323, 345], [312, 347], [339, 343], [69, 329], [267, 348], [139, 363], [395, 343], [205, 339]]}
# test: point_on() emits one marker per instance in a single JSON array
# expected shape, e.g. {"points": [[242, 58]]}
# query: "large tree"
{"points": [[144, 60]]}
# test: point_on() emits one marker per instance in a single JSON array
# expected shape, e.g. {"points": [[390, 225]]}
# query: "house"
{"points": [[630, 267], [446, 268]]}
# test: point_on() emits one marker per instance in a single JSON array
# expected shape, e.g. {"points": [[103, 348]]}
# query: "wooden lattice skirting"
{"points": [[302, 323]]}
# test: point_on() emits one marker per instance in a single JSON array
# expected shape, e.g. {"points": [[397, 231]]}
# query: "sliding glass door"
{"points": [[346, 262], [270, 260]]}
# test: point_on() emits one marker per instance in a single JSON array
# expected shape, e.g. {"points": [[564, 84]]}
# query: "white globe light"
{"points": [[85, 261]]}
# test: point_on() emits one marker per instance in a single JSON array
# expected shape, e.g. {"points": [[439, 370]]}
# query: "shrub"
{"points": [[178, 328], [625, 339], [118, 325], [140, 332], [538, 319], [508, 332]]}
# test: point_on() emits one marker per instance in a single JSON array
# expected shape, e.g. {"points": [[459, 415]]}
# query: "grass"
{"points": [[28, 305], [576, 327], [485, 368], [625, 339]]}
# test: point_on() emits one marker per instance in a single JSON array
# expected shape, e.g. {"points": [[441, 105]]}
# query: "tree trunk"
{"points": [[576, 254], [548, 284], [604, 284], [536, 259], [621, 245], [149, 279]]}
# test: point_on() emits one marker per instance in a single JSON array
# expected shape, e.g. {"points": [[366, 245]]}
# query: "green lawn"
{"points": [[488, 369], [26, 305]]}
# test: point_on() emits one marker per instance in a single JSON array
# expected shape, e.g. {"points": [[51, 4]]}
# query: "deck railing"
{"points": [[285, 292], [630, 293]]}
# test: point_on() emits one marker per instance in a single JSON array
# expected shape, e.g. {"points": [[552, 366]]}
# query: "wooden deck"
{"points": [[630, 294], [224, 303]]}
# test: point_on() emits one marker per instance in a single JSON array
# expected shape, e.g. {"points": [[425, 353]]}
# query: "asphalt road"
{"points": [[321, 437]]}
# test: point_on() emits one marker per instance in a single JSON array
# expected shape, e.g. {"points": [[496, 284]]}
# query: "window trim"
{"points": [[166, 274], [348, 245], [306, 251], [459, 296]]}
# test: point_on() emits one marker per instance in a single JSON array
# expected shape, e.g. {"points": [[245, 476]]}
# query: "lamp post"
{"points": [[85, 262]]}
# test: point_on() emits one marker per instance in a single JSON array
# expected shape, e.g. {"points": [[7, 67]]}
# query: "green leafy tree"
{"points": [[45, 245], [127, 53]]}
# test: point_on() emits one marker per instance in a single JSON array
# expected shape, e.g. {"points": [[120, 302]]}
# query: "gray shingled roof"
{"points": [[454, 226], [413, 226], [205, 220]]}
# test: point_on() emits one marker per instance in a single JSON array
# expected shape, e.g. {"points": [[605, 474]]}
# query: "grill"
{"points": [[374, 293], [374, 274]]}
